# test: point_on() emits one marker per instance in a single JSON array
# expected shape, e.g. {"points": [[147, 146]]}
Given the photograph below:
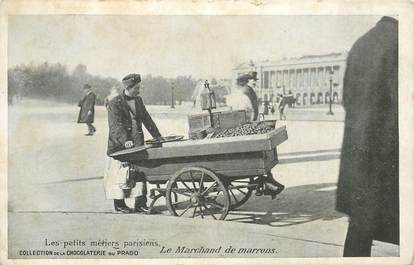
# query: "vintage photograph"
{"points": [[202, 136]]}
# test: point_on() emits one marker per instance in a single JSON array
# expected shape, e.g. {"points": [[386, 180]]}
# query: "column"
{"points": [[299, 80], [271, 76], [267, 79], [311, 78], [287, 80], [320, 76], [296, 80], [292, 79], [261, 77]]}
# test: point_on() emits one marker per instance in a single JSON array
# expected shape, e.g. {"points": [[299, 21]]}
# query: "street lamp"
{"points": [[330, 93], [172, 96], [208, 101]]}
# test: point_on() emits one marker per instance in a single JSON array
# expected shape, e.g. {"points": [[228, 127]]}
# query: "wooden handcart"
{"points": [[207, 178]]}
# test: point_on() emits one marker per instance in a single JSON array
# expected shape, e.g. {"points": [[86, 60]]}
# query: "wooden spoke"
{"points": [[212, 196], [182, 202], [211, 213], [234, 196], [188, 188], [239, 191], [201, 181], [185, 210], [181, 192], [214, 184], [192, 180], [209, 202], [245, 193]]}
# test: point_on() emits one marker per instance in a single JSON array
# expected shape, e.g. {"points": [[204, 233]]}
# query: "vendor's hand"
{"points": [[129, 144], [89, 112]]}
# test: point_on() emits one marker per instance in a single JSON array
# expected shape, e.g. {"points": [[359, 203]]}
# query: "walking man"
{"points": [[368, 178], [87, 109], [281, 107]]}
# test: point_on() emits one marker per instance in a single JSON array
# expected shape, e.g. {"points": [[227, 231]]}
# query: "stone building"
{"points": [[307, 78]]}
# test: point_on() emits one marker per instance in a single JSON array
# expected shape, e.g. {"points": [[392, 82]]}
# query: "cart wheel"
{"points": [[161, 193], [239, 192], [200, 194]]}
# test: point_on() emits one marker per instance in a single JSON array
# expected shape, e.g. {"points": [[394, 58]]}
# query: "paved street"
{"points": [[56, 192]]}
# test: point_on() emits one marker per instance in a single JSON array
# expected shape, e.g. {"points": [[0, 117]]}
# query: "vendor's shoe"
{"points": [[259, 191], [273, 190], [123, 209], [89, 134], [143, 209]]}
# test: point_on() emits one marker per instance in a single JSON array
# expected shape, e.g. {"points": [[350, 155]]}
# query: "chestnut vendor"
{"points": [[126, 114], [244, 97]]}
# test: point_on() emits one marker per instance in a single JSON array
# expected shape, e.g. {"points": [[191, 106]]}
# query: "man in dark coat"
{"points": [[368, 182], [281, 107], [87, 111], [126, 114]]}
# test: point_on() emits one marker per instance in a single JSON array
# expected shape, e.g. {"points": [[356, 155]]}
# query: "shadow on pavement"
{"points": [[309, 158], [293, 206], [311, 152]]}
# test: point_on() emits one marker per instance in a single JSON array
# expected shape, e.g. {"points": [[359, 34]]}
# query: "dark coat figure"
{"points": [[368, 180], [121, 127], [87, 104], [249, 92], [290, 100], [281, 107], [266, 110]]}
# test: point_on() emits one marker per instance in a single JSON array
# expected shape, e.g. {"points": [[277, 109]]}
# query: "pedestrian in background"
{"points": [[266, 110], [87, 109], [368, 180], [281, 107], [290, 99], [272, 110]]}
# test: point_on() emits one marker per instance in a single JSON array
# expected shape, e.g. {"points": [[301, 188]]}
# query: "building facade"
{"points": [[308, 78]]}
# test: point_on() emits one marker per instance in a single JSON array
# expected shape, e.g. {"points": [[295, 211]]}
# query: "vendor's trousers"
{"points": [[139, 201], [118, 185]]}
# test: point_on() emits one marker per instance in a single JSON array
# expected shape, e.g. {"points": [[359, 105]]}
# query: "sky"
{"points": [[201, 46]]}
